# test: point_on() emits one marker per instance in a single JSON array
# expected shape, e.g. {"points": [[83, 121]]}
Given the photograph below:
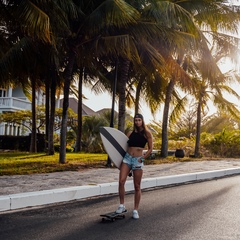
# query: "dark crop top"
{"points": [[137, 139]]}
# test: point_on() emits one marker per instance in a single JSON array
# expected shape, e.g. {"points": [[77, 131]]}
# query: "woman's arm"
{"points": [[128, 134], [150, 144]]}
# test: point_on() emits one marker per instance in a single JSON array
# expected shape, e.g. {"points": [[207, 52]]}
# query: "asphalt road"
{"points": [[201, 211]]}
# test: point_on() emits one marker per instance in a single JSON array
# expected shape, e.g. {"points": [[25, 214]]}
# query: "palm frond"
{"points": [[227, 89], [151, 57], [34, 21], [172, 15], [177, 73], [113, 14], [216, 15], [226, 106], [225, 45], [178, 109], [118, 45], [14, 61]]}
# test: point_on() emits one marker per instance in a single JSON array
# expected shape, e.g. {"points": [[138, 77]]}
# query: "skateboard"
{"points": [[112, 216]]}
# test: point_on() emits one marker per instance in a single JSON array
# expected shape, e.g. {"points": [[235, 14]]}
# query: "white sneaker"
{"points": [[121, 209], [135, 214]]}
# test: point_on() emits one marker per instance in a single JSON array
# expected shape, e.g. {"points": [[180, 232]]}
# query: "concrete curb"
{"points": [[33, 199]]}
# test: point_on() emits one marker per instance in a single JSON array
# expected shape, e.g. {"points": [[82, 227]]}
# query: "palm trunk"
{"points": [[79, 127], [164, 147], [52, 116], [198, 130], [33, 145], [125, 64], [68, 78], [138, 91], [114, 91], [47, 109]]}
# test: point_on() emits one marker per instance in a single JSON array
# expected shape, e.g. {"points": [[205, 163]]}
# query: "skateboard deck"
{"points": [[112, 216]]}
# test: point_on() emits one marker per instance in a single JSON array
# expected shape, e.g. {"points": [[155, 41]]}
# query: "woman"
{"points": [[133, 160]]}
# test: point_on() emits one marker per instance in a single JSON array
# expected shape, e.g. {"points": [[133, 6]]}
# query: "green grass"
{"points": [[15, 163], [27, 163]]}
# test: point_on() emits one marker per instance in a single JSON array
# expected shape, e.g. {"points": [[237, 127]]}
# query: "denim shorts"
{"points": [[132, 162]]}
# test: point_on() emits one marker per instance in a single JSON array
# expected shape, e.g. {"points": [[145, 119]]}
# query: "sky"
{"points": [[100, 101]]}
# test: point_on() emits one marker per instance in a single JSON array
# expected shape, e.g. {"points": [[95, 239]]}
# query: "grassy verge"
{"points": [[27, 163], [14, 163]]}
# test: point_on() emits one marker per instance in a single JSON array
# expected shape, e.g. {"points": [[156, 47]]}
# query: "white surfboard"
{"points": [[115, 144]]}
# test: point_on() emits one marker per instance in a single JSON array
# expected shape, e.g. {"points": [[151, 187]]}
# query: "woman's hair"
{"points": [[145, 129]]}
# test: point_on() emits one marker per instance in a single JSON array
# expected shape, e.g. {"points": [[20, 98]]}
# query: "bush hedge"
{"points": [[21, 143]]}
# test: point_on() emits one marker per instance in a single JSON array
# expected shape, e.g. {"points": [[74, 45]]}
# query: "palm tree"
{"points": [[124, 32], [147, 79], [24, 72], [23, 52], [117, 15], [220, 32], [201, 12], [79, 129], [137, 44], [167, 39], [216, 93]]}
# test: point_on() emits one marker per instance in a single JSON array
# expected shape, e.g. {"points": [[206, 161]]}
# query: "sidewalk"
{"points": [[27, 190]]}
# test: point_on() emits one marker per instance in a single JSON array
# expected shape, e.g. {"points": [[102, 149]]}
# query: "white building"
{"points": [[14, 99], [11, 100]]}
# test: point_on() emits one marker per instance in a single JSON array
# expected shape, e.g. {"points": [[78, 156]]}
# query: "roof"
{"points": [[102, 111], [73, 104]]}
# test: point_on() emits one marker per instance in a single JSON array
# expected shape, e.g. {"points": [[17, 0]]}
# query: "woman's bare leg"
{"points": [[137, 178], [124, 171]]}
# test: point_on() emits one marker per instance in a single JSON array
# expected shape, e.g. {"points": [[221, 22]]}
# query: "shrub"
{"points": [[224, 144]]}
